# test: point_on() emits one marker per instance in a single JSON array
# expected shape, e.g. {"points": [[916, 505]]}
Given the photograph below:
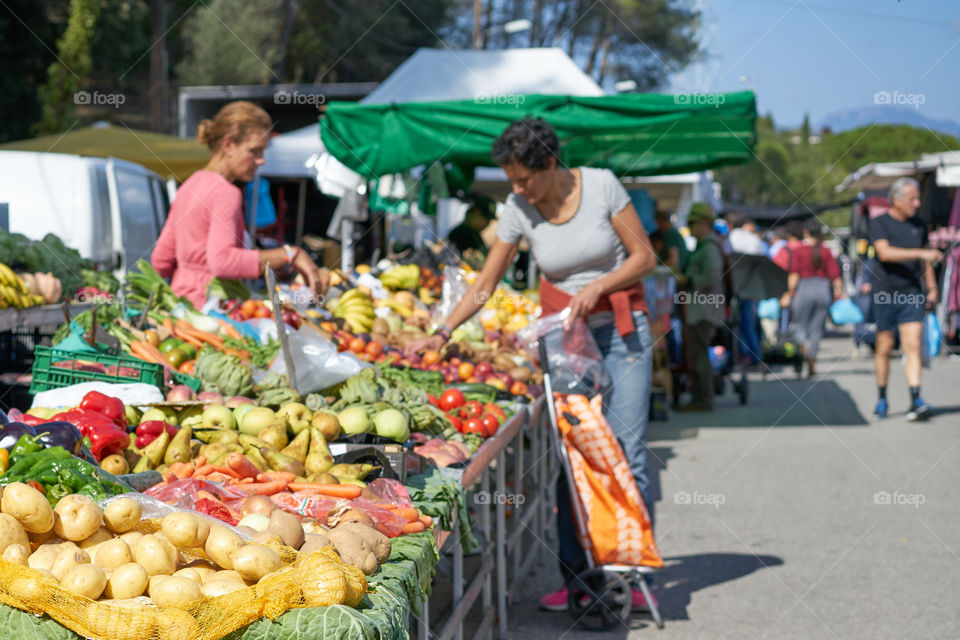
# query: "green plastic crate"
{"points": [[46, 376], [190, 381]]}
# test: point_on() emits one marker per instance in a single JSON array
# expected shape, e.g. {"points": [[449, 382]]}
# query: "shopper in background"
{"points": [[813, 284], [466, 236], [703, 303], [793, 231], [588, 243], [905, 288], [203, 237], [673, 252], [743, 235], [744, 239]]}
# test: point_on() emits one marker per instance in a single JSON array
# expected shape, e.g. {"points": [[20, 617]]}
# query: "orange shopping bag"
{"points": [[617, 520]]}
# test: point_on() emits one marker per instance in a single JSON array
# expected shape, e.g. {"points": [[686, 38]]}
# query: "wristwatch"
{"points": [[443, 332]]}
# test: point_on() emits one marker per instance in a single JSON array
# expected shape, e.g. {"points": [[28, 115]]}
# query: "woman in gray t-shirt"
{"points": [[588, 243]]}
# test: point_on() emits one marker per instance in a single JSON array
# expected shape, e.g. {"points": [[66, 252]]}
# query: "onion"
{"points": [[257, 504]]}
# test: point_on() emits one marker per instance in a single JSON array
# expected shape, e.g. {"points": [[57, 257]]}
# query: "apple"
{"points": [[217, 416], [256, 420], [298, 416], [235, 401], [42, 412], [210, 397], [179, 393], [238, 412], [133, 415], [483, 369], [163, 414], [191, 417], [327, 423]]}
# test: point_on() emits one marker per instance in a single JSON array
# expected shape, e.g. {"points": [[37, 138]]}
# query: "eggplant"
{"points": [[11, 432], [3, 418], [60, 434]]}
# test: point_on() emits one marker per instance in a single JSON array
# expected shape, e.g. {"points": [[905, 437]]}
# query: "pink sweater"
{"points": [[203, 237]]}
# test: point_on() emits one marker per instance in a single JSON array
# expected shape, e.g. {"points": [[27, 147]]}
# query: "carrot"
{"points": [[414, 527], [196, 344], [270, 476], [207, 469], [187, 329], [410, 514], [332, 490], [426, 520], [243, 467], [263, 488], [177, 470], [229, 329], [223, 478], [168, 324], [199, 461]]}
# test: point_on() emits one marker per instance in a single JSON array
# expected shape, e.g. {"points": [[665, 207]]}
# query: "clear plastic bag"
{"points": [[455, 286], [316, 361], [575, 363]]}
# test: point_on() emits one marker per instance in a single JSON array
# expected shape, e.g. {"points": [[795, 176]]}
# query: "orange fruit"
{"points": [[430, 357]]}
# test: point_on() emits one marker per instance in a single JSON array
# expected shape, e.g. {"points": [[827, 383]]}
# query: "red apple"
{"points": [[235, 401], [210, 397], [483, 369], [179, 393]]}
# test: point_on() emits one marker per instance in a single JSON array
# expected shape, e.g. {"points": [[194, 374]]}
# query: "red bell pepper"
{"points": [[32, 420], [106, 438], [107, 405], [150, 430]]}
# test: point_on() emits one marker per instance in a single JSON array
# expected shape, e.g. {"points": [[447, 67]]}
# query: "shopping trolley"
{"points": [[599, 597]]}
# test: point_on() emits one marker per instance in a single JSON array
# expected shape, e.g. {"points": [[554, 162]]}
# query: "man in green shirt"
{"points": [[673, 253]]}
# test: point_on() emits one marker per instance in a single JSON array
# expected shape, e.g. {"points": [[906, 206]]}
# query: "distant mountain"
{"points": [[886, 114]]}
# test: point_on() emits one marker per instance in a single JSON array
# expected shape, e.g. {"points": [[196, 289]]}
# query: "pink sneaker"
{"points": [[556, 601], [639, 602]]}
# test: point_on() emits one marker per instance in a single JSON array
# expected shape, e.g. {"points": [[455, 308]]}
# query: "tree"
{"points": [[72, 66], [884, 143]]}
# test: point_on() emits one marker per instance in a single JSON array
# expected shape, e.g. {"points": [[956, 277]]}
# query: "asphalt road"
{"points": [[799, 515]]}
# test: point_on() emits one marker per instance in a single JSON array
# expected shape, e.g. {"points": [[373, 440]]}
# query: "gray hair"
{"points": [[896, 189]]}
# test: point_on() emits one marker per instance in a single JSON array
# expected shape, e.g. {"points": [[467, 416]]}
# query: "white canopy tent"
{"points": [[880, 175]]}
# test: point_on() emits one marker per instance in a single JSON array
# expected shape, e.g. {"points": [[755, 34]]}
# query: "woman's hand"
{"points": [[317, 279], [585, 300], [429, 343]]}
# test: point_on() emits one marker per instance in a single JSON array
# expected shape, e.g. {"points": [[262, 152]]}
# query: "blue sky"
{"points": [[824, 56]]}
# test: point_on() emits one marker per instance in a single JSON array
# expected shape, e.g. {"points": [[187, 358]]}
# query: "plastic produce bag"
{"points": [[316, 361], [575, 362], [844, 311], [455, 286]]}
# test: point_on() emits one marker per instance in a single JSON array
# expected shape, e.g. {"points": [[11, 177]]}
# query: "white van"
{"points": [[109, 210]]}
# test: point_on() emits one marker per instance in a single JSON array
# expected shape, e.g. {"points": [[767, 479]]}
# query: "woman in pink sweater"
{"points": [[203, 236]]}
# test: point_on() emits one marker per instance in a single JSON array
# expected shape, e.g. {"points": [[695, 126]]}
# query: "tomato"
{"points": [[490, 424], [434, 400], [431, 357], [187, 367], [374, 348], [474, 425], [483, 369], [518, 389], [248, 308], [451, 399], [262, 312], [357, 345], [456, 422], [495, 411], [465, 370], [473, 408], [472, 380], [175, 357], [455, 361]]}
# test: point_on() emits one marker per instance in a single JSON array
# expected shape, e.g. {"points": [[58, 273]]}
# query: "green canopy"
{"points": [[632, 134], [166, 155]]}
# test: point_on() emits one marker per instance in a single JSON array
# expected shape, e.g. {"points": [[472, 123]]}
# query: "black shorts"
{"points": [[893, 308]]}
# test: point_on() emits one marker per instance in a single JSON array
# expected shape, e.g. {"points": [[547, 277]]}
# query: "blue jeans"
{"points": [[626, 405], [749, 336]]}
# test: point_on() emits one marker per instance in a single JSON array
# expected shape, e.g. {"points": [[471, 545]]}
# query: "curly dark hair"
{"points": [[530, 142]]}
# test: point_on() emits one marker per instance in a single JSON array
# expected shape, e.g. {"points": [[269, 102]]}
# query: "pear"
{"points": [[253, 455], [282, 462], [319, 459], [152, 454], [298, 446], [275, 435], [179, 448], [354, 471], [323, 478]]}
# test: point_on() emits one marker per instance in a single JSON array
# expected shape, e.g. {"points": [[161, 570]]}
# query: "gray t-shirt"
{"points": [[577, 252]]}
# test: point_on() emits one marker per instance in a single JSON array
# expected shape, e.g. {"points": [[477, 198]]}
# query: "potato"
{"points": [[220, 545], [185, 529], [131, 538], [29, 506], [76, 517], [204, 568], [96, 538], [156, 555], [11, 532], [87, 580], [287, 527], [66, 560], [112, 554], [267, 539], [214, 588], [127, 581], [314, 542], [37, 539], [226, 574], [252, 562], [175, 592], [189, 574], [16, 553], [125, 603], [122, 515], [43, 557]]}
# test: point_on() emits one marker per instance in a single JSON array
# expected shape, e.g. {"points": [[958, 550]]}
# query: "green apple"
{"points": [[217, 416], [191, 417], [256, 420], [298, 416], [157, 414], [238, 412], [42, 412], [133, 415]]}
